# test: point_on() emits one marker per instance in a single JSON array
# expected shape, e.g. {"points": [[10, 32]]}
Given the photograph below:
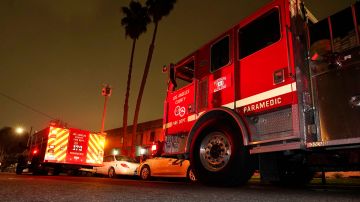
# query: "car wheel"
{"points": [[191, 175], [219, 156], [145, 173], [111, 173], [19, 170]]}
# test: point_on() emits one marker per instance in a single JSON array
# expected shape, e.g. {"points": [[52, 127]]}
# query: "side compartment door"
{"points": [[221, 81], [180, 106], [264, 63], [265, 74]]}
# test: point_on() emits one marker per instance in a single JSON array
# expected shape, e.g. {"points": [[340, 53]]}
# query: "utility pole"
{"points": [[106, 92], [29, 138]]}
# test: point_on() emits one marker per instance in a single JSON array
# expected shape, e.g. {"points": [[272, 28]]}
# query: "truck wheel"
{"points": [[111, 173], [145, 173], [219, 156], [57, 170], [19, 170]]}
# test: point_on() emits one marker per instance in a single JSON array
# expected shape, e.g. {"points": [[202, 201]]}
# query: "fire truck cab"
{"points": [[275, 93]]}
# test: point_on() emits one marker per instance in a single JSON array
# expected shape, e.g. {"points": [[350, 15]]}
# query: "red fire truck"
{"points": [[59, 149], [275, 93]]}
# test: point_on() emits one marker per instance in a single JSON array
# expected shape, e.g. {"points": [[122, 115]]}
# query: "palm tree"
{"points": [[135, 22], [157, 10]]}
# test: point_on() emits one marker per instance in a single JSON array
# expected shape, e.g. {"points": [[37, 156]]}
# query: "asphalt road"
{"points": [[66, 188]]}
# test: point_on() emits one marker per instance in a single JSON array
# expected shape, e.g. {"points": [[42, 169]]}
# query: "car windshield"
{"points": [[125, 158]]}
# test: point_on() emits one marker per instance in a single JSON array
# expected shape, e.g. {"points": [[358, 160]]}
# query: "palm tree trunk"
{"points": [[126, 103], [142, 87]]}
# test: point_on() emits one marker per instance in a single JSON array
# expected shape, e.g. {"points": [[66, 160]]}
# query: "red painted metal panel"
{"points": [[180, 109], [77, 147]]}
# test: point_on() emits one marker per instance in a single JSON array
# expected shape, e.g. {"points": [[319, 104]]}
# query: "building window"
{"points": [[220, 53], [259, 34], [152, 136]]}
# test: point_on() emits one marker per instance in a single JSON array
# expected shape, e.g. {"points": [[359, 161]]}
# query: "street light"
{"points": [[19, 130], [106, 92], [115, 152]]}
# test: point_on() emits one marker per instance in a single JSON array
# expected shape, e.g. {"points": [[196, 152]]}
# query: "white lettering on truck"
{"points": [[262, 105]]}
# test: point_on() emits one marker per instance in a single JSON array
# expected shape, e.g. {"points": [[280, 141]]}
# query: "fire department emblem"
{"points": [[179, 111], [219, 84]]}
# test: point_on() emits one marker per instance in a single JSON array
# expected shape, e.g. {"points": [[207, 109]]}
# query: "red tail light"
{"points": [[35, 151], [315, 57], [124, 165]]}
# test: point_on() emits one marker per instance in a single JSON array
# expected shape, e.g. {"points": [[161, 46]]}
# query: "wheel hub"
{"points": [[215, 151]]}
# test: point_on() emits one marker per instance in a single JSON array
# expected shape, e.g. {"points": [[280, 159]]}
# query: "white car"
{"points": [[114, 165], [166, 167]]}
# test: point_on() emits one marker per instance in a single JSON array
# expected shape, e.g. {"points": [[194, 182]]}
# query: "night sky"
{"points": [[56, 55]]}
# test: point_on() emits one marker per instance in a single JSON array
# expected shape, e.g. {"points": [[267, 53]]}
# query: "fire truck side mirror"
{"points": [[172, 78], [164, 69]]}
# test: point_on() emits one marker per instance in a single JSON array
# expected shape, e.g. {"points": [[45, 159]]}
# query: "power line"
{"points": [[27, 106]]}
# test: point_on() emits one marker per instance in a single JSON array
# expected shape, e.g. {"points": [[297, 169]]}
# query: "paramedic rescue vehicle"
{"points": [[276, 93], [59, 149]]}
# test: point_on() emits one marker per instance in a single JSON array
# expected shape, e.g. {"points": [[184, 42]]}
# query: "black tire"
{"points": [[21, 165], [35, 166], [145, 173], [19, 170], [219, 157], [111, 173], [56, 170], [190, 175]]}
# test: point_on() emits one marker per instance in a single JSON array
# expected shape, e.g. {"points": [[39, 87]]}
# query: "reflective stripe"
{"points": [[249, 100], [95, 149], [191, 117], [267, 94]]}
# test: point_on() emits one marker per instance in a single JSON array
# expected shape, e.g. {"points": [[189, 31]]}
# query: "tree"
{"points": [[135, 22], [157, 10], [11, 145]]}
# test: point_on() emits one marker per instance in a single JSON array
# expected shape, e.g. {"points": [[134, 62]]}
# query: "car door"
{"points": [[176, 167], [99, 169], [106, 163], [158, 166]]}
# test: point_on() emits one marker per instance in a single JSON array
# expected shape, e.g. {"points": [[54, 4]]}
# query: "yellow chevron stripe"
{"points": [[59, 152], [95, 148], [91, 156], [61, 141], [95, 141], [61, 158], [98, 144], [92, 151], [61, 138]]}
